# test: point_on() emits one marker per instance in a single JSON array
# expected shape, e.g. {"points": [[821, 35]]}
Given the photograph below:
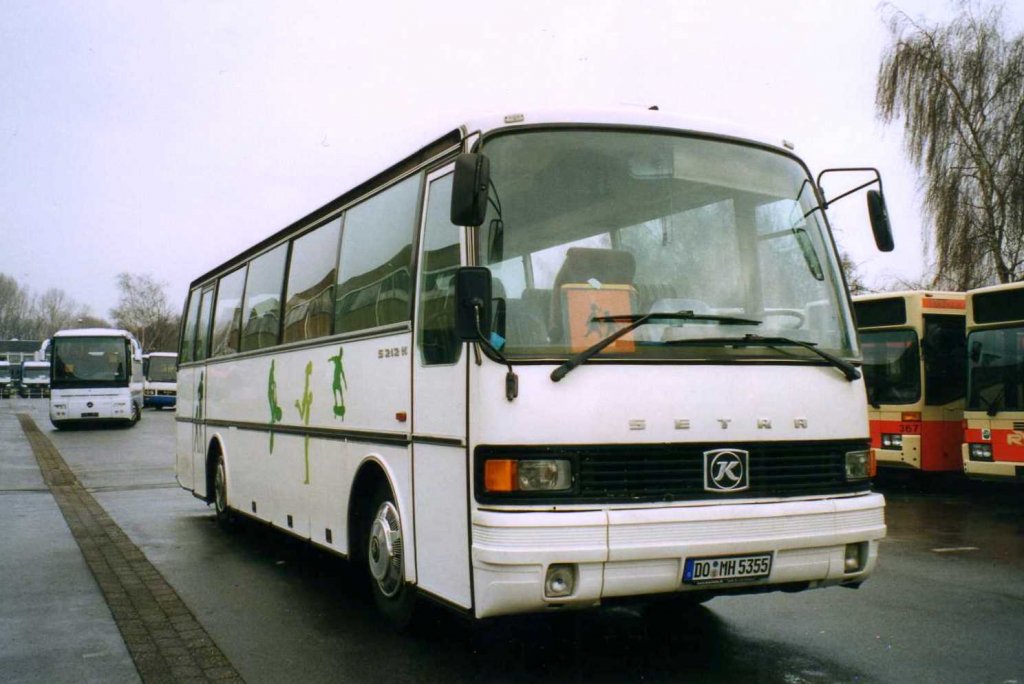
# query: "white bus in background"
{"points": [[95, 377], [6, 380], [546, 361], [161, 384], [35, 379]]}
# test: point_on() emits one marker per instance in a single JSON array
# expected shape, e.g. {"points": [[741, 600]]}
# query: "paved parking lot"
{"points": [[946, 603]]}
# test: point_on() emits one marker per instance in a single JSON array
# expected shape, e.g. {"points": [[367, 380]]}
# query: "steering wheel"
{"points": [[795, 314]]}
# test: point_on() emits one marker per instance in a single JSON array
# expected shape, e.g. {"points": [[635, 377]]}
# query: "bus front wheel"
{"points": [[385, 560]]}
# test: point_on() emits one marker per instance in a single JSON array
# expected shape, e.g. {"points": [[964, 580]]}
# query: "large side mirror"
{"points": [[876, 204], [880, 221], [469, 189], [472, 300]]}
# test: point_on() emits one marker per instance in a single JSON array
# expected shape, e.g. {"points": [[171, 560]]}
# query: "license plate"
{"points": [[90, 415], [726, 569]]}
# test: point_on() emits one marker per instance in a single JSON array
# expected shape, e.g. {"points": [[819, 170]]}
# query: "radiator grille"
{"points": [[675, 472]]}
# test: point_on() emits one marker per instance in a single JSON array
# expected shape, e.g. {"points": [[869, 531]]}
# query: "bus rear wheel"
{"points": [[385, 560], [220, 495]]}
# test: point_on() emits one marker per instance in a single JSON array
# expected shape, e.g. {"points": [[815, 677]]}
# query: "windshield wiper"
{"points": [[992, 407], [635, 321], [847, 368]]}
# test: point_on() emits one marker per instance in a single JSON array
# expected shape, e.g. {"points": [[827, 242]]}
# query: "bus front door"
{"points": [[439, 407]]}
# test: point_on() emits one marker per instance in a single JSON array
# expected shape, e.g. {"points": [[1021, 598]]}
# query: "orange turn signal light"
{"points": [[911, 417], [500, 474]]}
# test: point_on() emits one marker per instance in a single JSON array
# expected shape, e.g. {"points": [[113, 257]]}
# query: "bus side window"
{"points": [[310, 293], [203, 330], [228, 313], [188, 335], [436, 339], [374, 282], [261, 311]]}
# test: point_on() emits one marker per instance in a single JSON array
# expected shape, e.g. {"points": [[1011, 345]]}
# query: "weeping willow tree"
{"points": [[959, 90]]}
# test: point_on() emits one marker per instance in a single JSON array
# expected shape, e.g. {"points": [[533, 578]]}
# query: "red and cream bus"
{"points": [[994, 439], [550, 359], [913, 346]]}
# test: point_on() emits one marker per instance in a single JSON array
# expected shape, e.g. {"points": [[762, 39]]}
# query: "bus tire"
{"points": [[385, 560], [225, 518]]}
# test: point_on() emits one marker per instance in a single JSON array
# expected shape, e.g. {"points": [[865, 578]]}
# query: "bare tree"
{"points": [[959, 89], [15, 308], [854, 280], [54, 310], [25, 316], [90, 321], [143, 310]]}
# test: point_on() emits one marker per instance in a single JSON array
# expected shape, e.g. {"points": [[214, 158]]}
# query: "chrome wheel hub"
{"points": [[220, 489], [385, 549]]}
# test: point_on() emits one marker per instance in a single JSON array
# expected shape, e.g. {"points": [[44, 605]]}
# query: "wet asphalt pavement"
{"points": [[946, 603]]}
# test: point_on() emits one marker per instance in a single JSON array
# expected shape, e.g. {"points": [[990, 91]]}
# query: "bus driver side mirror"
{"points": [[880, 221], [469, 189], [876, 203], [472, 303]]}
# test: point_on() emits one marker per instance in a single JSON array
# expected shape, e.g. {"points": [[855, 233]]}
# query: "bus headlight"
{"points": [[892, 441], [858, 465], [527, 475], [856, 557], [560, 581], [980, 452]]}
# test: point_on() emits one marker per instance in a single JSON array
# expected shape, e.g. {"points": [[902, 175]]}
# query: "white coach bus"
{"points": [[160, 388], [95, 377], [546, 361]]}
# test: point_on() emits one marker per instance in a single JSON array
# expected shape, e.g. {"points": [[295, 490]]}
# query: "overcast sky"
{"points": [[165, 137]]}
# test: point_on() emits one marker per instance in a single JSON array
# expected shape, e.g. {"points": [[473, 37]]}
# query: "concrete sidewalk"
{"points": [[55, 625], [144, 629]]}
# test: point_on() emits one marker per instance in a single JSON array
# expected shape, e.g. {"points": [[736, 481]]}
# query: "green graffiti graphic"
{"points": [[275, 411], [340, 384], [303, 409]]}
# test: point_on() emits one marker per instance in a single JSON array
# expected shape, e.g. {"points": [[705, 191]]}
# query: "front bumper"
{"points": [[638, 552], [89, 409], [909, 456], [991, 470]]}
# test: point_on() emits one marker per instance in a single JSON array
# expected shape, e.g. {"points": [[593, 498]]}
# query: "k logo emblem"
{"points": [[726, 470]]}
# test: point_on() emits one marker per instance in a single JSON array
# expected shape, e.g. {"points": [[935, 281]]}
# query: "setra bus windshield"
{"points": [[588, 224], [996, 370], [892, 366]]}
